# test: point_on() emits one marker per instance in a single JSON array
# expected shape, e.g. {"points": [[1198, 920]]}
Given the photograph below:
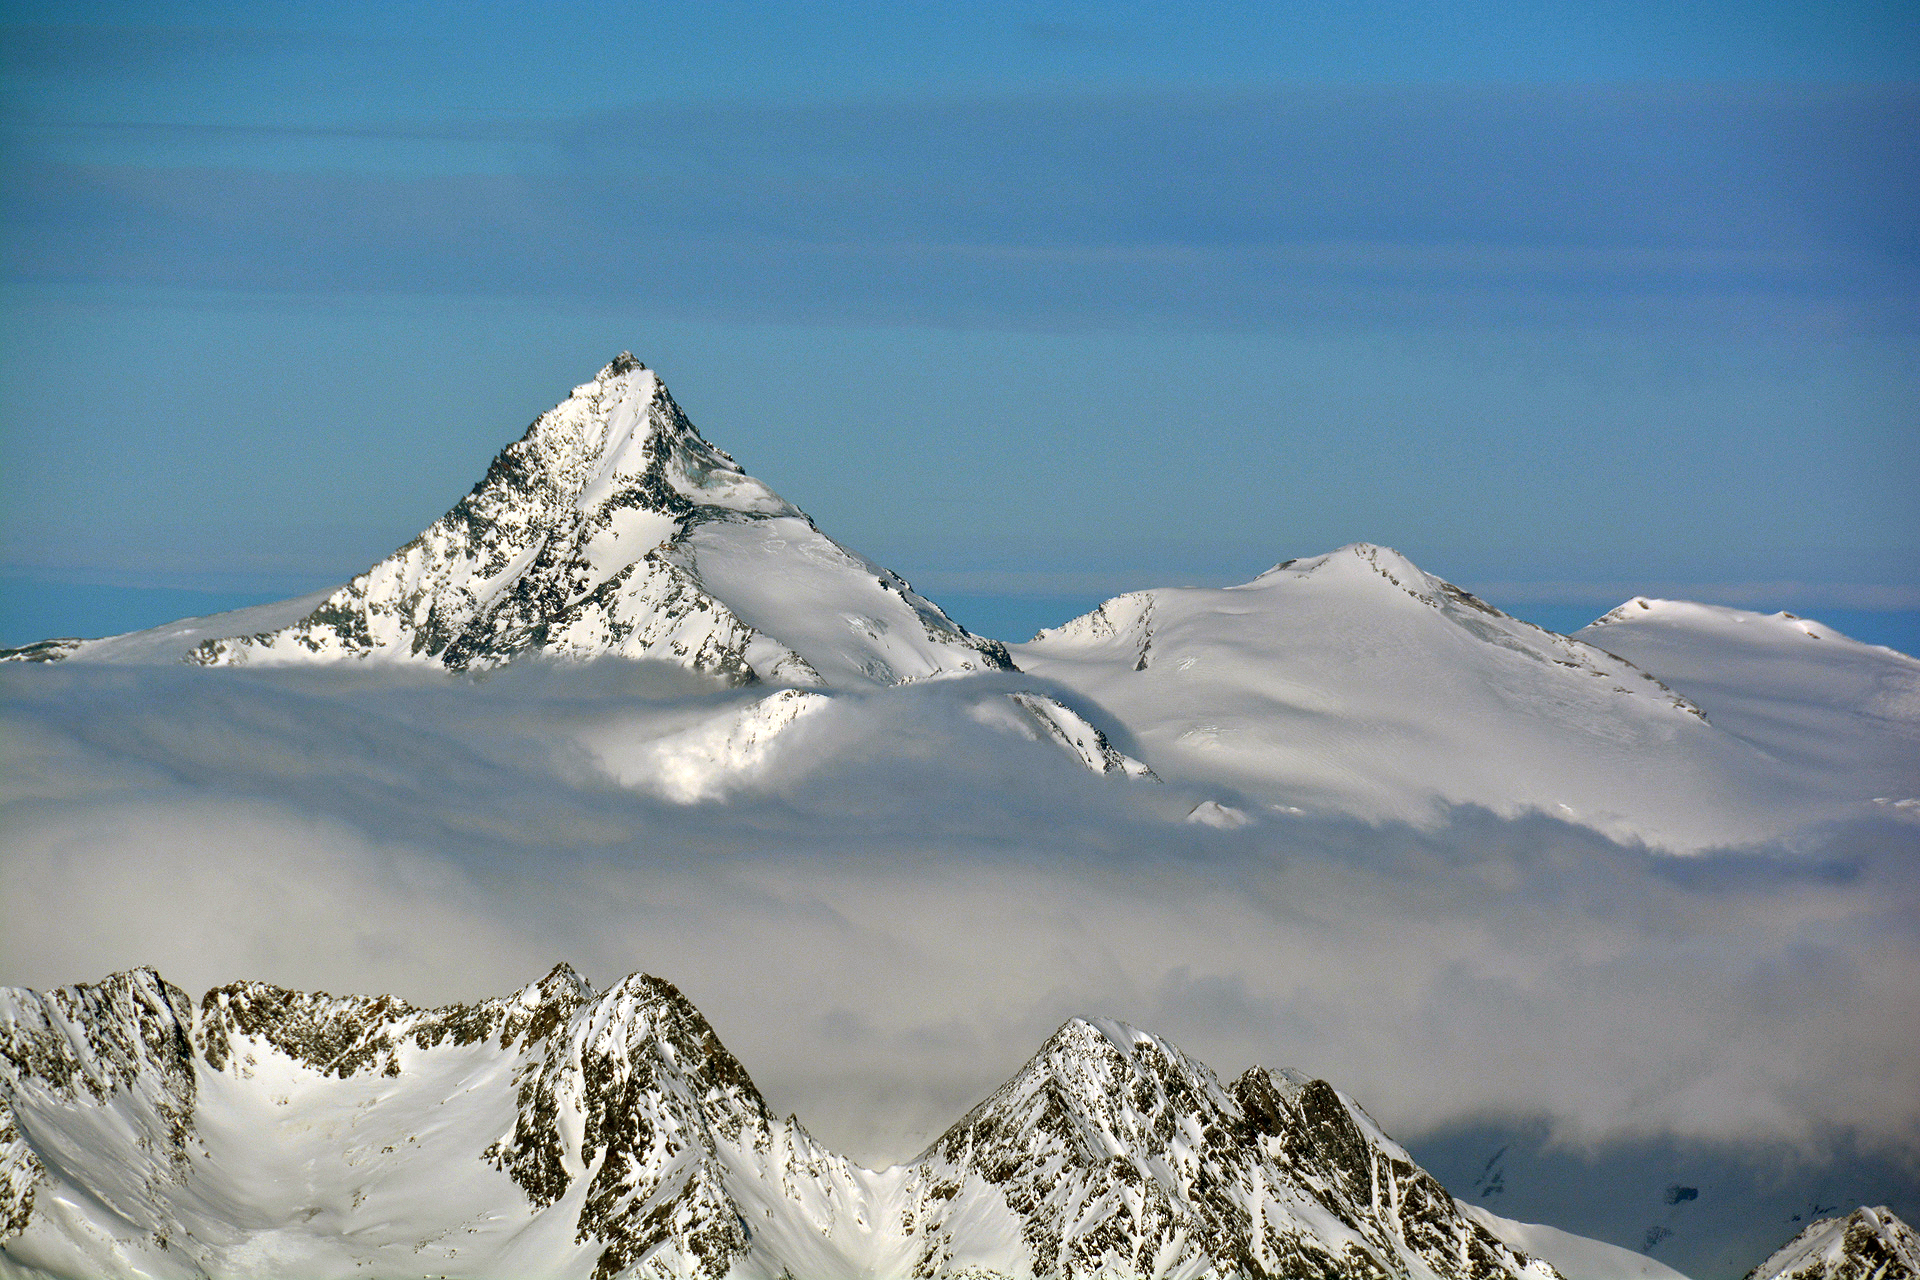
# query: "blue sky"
{"points": [[1029, 302]]}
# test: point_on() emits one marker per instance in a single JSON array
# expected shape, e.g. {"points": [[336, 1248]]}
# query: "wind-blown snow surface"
{"points": [[1838, 713], [1571, 1255], [560, 1132], [1354, 682], [610, 528]]}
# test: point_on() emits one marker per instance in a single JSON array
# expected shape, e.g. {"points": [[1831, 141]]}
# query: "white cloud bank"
{"points": [[907, 901]]}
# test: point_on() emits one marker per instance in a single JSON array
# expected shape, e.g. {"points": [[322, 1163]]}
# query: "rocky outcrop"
{"points": [[1119, 1155]]}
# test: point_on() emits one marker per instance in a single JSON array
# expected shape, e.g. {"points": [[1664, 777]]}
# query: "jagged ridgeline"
{"points": [[612, 527], [564, 1132]]}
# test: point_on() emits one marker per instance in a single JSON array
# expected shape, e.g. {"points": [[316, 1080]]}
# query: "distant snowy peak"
{"points": [[613, 528], [1781, 628], [1867, 1244], [581, 1135], [1363, 566], [1354, 682], [1838, 711], [1357, 578]]}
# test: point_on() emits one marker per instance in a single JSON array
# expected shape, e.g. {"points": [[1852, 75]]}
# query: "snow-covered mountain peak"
{"points": [[1102, 1082], [1274, 1175], [1356, 681], [621, 442], [1358, 561], [1360, 567], [1844, 714], [562, 982], [610, 528], [1738, 625]]}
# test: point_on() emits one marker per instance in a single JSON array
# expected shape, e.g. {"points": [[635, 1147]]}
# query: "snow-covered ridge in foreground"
{"points": [[610, 528], [563, 1132], [1355, 682], [1867, 1244]]}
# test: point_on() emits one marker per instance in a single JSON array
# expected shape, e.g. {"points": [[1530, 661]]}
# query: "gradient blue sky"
{"points": [[1032, 302]]}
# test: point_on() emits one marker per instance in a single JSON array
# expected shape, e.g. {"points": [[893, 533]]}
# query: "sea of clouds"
{"points": [[891, 909], [885, 910]]}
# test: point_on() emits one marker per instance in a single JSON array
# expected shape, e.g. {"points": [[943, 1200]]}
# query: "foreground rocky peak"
{"points": [[1867, 1244], [613, 528], [1118, 1152], [565, 1132]]}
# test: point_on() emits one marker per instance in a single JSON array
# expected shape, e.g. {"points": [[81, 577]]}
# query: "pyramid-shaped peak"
{"points": [[563, 981], [624, 419], [612, 528], [1085, 1055]]}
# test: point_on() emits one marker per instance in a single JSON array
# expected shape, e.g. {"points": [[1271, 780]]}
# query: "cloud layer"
{"points": [[904, 902]]}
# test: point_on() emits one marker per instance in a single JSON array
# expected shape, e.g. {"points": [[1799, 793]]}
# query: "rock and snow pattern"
{"points": [[1867, 1244], [610, 528], [564, 1132], [1354, 682], [1075, 734]]}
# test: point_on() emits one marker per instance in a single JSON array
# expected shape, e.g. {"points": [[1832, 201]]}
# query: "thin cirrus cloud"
{"points": [[1580, 205]]}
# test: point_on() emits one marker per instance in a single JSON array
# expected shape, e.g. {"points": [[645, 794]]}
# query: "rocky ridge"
{"points": [[561, 1131], [1867, 1244]]}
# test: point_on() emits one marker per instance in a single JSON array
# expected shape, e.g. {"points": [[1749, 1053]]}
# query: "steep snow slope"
{"points": [[1867, 1244], [610, 528], [1825, 705], [1355, 682], [1572, 1256], [563, 1133]]}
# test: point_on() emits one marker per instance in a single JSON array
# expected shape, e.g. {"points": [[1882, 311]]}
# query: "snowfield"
{"points": [[1354, 682]]}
